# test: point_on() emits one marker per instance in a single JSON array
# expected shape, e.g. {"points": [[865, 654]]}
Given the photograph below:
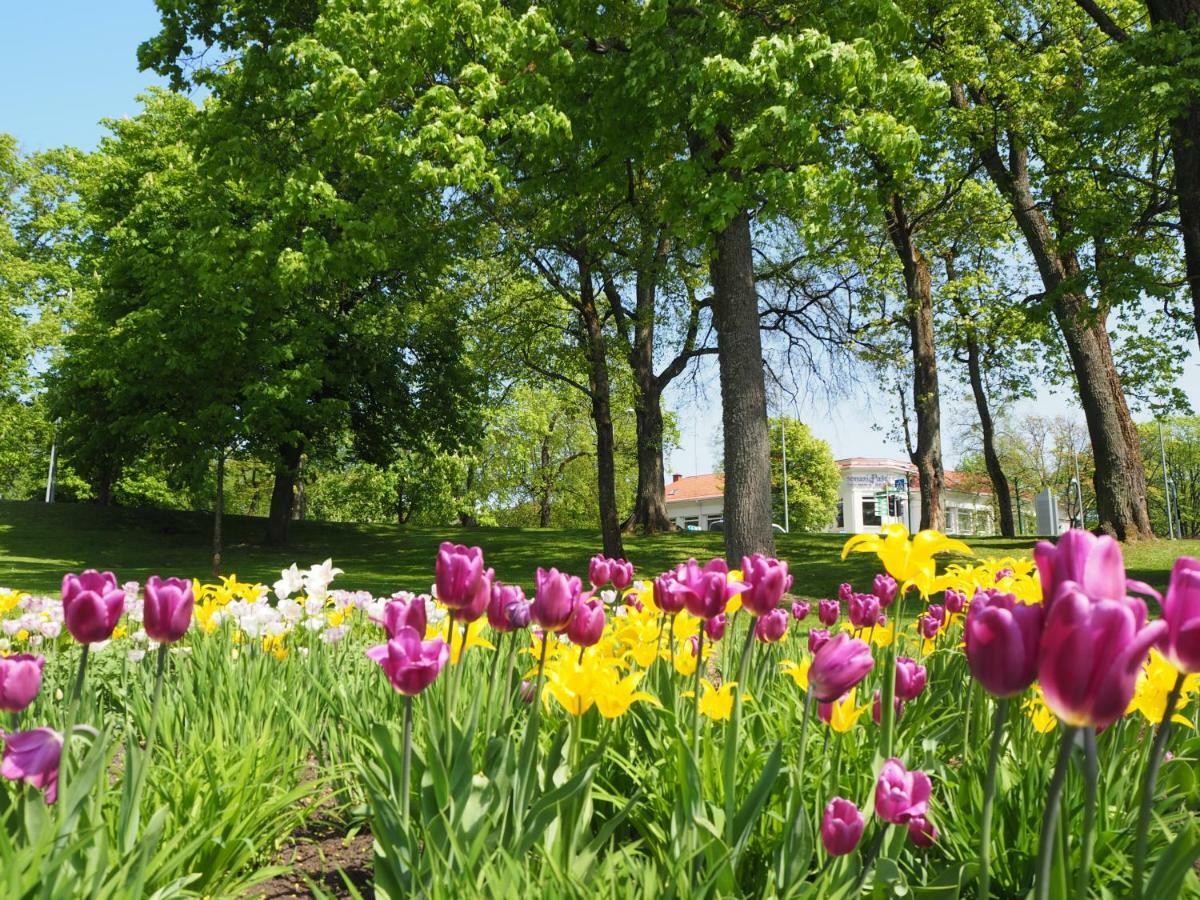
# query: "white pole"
{"points": [[1162, 449], [1079, 493], [53, 463], [787, 525]]}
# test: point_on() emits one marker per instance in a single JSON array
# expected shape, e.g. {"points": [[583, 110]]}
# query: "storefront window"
{"points": [[868, 513], [841, 514]]}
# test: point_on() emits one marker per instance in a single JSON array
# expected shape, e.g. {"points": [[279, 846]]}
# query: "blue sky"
{"points": [[67, 64]]}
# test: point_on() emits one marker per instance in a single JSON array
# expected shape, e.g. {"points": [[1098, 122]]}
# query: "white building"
{"points": [[873, 493]]}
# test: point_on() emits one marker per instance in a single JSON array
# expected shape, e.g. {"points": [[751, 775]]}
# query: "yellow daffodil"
{"points": [[274, 646], [716, 703], [1039, 713], [909, 562], [1155, 682], [9, 600], [460, 645], [119, 632], [595, 680], [798, 672], [844, 715], [614, 698]]}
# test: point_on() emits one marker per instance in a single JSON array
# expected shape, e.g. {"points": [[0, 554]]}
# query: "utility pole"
{"points": [[1017, 494], [1079, 493], [51, 476], [787, 525], [1162, 449]]}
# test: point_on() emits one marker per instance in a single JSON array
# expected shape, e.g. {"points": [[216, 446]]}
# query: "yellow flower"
{"points": [[119, 632], [459, 644], [336, 617], [844, 715], [1154, 683], [879, 635], [274, 646], [9, 600], [798, 672], [909, 562], [716, 703], [22, 635], [1039, 713], [685, 657], [594, 681], [615, 698]]}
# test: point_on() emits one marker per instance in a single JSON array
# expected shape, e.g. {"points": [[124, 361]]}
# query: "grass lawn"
{"points": [[38, 543]]}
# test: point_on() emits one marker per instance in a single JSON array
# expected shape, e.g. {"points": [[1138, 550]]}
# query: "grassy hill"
{"points": [[39, 542]]}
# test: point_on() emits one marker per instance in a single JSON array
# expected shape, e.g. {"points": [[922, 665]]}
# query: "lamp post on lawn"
{"points": [[1162, 449], [1079, 493], [51, 476]]}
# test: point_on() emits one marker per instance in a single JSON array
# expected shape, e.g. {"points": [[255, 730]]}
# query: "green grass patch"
{"points": [[39, 542]]}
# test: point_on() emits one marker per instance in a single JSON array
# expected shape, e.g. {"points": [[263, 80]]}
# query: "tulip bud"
{"points": [[937, 611], [586, 624], [901, 795], [828, 611], [503, 596], [955, 600], [816, 639], [555, 599], [864, 610], [33, 757], [1093, 563], [1181, 611], [910, 678], [167, 611], [840, 664], [841, 827], [410, 663], [845, 592], [884, 587], [771, 628], [518, 613], [457, 574], [666, 599], [921, 832], [92, 604], [928, 625], [1002, 637], [527, 691], [800, 610], [20, 680], [715, 627], [599, 570], [622, 573], [767, 580]]}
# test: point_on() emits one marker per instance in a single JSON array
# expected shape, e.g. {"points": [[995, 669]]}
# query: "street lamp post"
{"points": [[1079, 493], [51, 476], [787, 527], [1162, 449]]}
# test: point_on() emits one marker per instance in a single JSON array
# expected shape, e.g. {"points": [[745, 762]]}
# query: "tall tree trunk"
{"points": [[283, 494], [466, 517], [544, 493], [592, 339], [650, 505], [743, 394], [927, 455], [1120, 478], [218, 513], [991, 458]]}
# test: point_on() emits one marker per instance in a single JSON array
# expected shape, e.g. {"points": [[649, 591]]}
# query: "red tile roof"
{"points": [[696, 487]]}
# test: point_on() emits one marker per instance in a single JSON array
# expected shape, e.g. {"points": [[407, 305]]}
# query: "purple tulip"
{"points": [[922, 832], [1001, 574], [554, 599], [955, 601], [410, 663], [929, 625], [767, 581], [884, 587], [845, 591], [457, 575], [800, 610], [92, 604], [910, 678], [168, 608], [504, 597], [817, 638], [705, 589], [841, 827], [586, 624], [1091, 653], [667, 600], [877, 707], [1093, 563], [20, 680], [527, 691], [771, 628], [1002, 637], [409, 613], [1181, 611], [599, 570], [840, 664], [518, 612], [864, 610], [828, 612], [715, 627], [33, 757], [622, 573], [478, 604], [901, 795]]}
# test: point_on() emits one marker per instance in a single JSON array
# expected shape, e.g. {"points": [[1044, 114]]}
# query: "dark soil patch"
{"points": [[326, 857]]}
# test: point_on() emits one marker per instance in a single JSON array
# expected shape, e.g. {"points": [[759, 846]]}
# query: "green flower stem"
{"points": [[731, 739], [989, 796], [406, 768], [1091, 775], [72, 713], [696, 681], [1050, 818], [492, 684], [1148, 783], [888, 696]]}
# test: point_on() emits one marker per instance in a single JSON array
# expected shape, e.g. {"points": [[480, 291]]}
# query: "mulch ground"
{"points": [[325, 857]]}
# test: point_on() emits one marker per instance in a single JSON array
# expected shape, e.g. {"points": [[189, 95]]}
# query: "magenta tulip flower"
{"points": [[845, 591], [864, 610], [828, 612], [922, 832], [622, 573], [715, 627], [503, 596], [705, 590], [884, 587], [910, 678], [518, 611], [33, 757], [586, 624], [767, 581], [901, 795], [800, 610], [92, 604], [409, 613], [841, 827], [457, 575], [1002, 637], [817, 638], [20, 680], [478, 604], [771, 628], [599, 570], [955, 601], [666, 599], [1093, 563], [928, 625], [168, 608], [1181, 611], [410, 663], [554, 599], [1091, 653], [840, 664]]}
